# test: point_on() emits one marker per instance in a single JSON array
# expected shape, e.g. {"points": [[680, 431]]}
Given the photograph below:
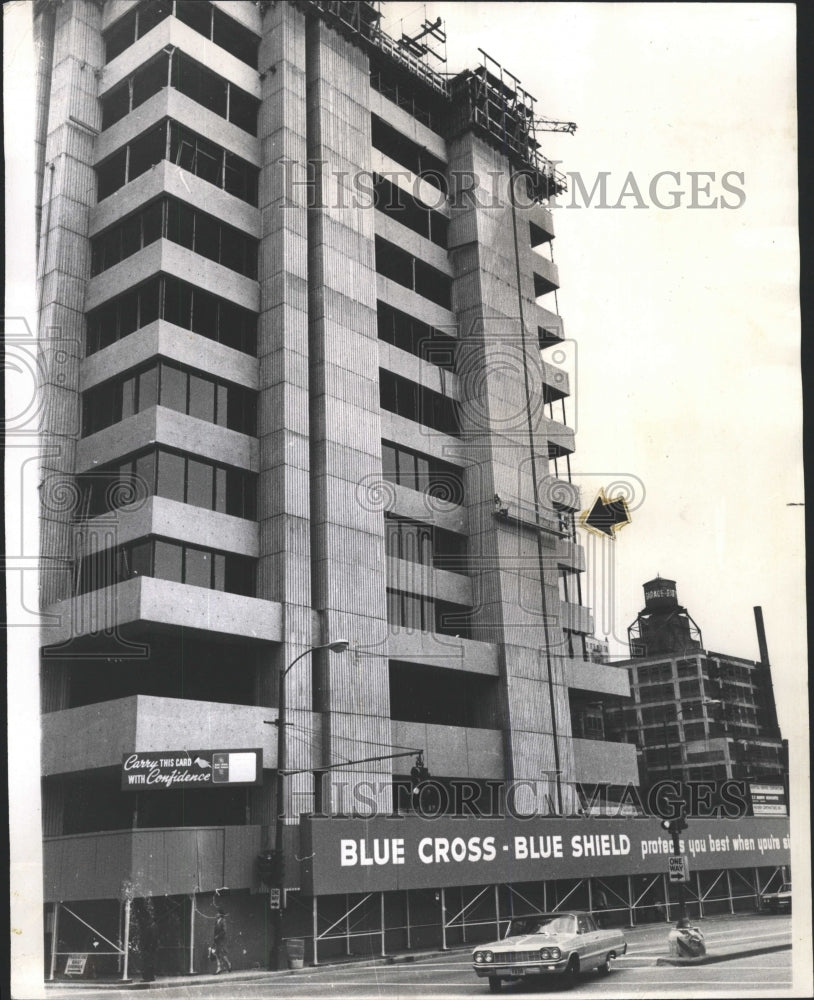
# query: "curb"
{"points": [[713, 959]]}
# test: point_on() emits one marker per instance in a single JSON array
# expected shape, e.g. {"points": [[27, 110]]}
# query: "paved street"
{"points": [[450, 975]]}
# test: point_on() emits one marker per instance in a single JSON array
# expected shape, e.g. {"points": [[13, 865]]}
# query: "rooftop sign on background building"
{"points": [[162, 769], [362, 855]]}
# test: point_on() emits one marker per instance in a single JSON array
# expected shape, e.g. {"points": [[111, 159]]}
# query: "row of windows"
{"points": [[167, 560], [411, 335], [402, 90], [173, 300], [427, 614], [424, 544], [423, 473], [168, 140], [159, 471], [416, 402], [177, 221], [409, 154], [402, 267], [197, 14], [178, 71], [656, 673], [397, 204], [165, 384], [658, 692]]}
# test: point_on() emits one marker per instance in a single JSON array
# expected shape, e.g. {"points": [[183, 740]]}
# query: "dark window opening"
{"points": [[168, 298], [423, 473], [412, 335], [168, 385], [419, 613], [188, 150], [401, 206], [408, 153], [404, 90], [412, 273], [415, 402], [426, 544], [202, 17], [168, 560], [442, 697]]}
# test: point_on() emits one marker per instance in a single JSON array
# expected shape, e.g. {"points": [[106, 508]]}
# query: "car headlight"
{"points": [[478, 956], [556, 954], [545, 954], [488, 956]]}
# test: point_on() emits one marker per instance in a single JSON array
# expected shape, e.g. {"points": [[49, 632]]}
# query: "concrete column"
{"points": [[283, 425], [500, 370], [347, 537], [68, 190]]}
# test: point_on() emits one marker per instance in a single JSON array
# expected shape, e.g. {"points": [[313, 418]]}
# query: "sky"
{"points": [[685, 322]]}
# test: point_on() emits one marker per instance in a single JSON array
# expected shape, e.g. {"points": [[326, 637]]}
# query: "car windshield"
{"points": [[563, 924]]}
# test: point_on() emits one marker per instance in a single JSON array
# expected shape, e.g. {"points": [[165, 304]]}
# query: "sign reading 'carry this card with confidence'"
{"points": [[163, 769]]}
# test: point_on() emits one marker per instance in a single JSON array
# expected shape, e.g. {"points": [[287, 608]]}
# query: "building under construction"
{"points": [[302, 393]]}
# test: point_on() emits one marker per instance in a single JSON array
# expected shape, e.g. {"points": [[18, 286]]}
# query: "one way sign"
{"points": [[678, 868]]}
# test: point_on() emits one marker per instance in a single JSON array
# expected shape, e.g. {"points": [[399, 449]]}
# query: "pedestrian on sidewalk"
{"points": [[221, 954], [148, 940], [601, 905]]}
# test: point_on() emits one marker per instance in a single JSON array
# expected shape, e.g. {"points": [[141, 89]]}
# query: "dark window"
{"points": [[146, 151], [199, 483], [115, 105], [396, 264], [120, 36], [171, 476], [149, 79], [151, 13], [174, 388], [421, 472], [201, 398], [242, 110], [198, 567], [407, 399], [169, 561], [111, 175], [196, 14], [234, 38], [396, 203]]}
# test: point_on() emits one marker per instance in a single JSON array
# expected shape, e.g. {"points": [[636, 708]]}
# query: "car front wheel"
{"points": [[494, 984], [605, 967], [571, 973]]}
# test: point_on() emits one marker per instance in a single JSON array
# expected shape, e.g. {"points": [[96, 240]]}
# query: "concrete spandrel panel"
{"points": [[416, 305]]}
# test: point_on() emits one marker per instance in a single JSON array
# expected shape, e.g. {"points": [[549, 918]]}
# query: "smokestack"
{"points": [[761, 637]]}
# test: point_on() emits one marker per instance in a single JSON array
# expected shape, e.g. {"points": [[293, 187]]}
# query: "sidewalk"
{"points": [[728, 938]]}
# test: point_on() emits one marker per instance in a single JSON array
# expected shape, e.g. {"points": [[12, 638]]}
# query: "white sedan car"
{"points": [[562, 944]]}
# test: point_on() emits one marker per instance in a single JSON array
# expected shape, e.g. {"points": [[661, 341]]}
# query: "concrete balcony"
{"points": [[541, 223], [421, 438], [597, 678], [560, 438], [419, 371], [93, 736], [545, 273], [167, 178], [161, 425], [181, 522], [166, 340], [570, 555], [448, 651], [409, 182], [426, 507], [171, 103], [405, 123], [171, 258], [419, 246], [550, 329], [196, 46], [576, 617], [603, 763], [410, 302], [453, 751], [414, 578], [128, 607], [555, 382], [174, 861]]}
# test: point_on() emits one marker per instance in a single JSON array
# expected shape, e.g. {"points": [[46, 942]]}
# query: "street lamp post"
{"points": [[282, 763]]}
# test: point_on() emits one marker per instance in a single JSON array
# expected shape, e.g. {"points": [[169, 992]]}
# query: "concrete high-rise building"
{"points": [[697, 715], [298, 346]]}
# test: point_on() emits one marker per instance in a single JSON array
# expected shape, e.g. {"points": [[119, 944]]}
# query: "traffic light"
{"points": [[418, 773], [675, 825], [267, 866]]}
